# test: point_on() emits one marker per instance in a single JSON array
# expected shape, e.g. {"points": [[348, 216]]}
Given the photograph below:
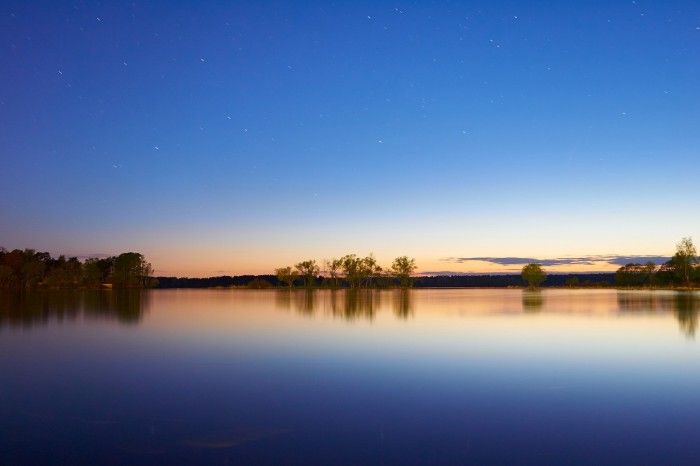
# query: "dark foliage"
{"points": [[500, 281], [213, 282], [31, 269], [444, 281]]}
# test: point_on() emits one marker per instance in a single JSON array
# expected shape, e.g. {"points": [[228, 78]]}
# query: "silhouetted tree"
{"points": [[287, 275], [632, 274], [369, 269], [650, 270], [131, 270], [533, 275], [259, 284], [308, 270], [92, 276], [333, 267], [28, 268], [684, 260], [572, 282], [352, 269], [402, 268], [6, 276]]}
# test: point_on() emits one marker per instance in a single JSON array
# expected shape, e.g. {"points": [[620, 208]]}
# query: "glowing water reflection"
{"points": [[349, 377]]}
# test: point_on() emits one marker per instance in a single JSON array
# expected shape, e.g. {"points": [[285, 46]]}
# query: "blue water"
{"points": [[383, 377]]}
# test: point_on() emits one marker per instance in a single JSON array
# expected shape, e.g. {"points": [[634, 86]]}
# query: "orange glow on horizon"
{"points": [[202, 264]]}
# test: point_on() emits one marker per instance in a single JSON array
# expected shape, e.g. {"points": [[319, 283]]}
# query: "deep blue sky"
{"points": [[232, 137]]}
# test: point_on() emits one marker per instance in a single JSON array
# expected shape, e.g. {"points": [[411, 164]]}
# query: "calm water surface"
{"points": [[323, 377]]}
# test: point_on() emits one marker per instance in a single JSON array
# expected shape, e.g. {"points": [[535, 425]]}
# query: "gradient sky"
{"points": [[236, 137]]}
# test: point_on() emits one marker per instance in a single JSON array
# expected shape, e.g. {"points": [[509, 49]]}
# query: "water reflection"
{"points": [[364, 304], [403, 307], [359, 304], [301, 301], [533, 301], [642, 301], [37, 307], [349, 305], [684, 305], [360, 377], [29, 308], [686, 311]]}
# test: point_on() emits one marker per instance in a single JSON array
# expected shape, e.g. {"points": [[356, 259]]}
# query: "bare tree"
{"points": [[352, 269], [287, 275], [402, 268], [370, 269], [309, 271], [333, 267], [685, 259]]}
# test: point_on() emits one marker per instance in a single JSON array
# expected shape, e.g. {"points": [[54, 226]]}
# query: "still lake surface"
{"points": [[335, 377]]}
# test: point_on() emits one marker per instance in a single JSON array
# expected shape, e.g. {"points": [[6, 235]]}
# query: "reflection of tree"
{"points": [[335, 301], [685, 307], [301, 300], [36, 307], [359, 303], [532, 300], [636, 301], [27, 308], [304, 301], [402, 303], [283, 299], [128, 305], [348, 304]]}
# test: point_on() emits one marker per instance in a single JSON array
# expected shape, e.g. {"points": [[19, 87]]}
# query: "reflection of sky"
{"points": [[575, 378], [456, 326], [241, 137]]}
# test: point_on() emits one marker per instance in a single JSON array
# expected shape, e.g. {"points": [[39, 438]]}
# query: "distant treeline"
{"points": [[500, 281], [442, 281], [31, 269], [215, 282], [682, 270]]}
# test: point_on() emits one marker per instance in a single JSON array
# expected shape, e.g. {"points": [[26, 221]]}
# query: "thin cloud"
{"points": [[624, 260], [584, 260]]}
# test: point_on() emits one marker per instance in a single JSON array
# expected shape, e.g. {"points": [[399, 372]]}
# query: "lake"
{"points": [[453, 376]]}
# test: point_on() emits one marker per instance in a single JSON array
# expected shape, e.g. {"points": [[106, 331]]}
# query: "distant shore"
{"points": [[584, 280]]}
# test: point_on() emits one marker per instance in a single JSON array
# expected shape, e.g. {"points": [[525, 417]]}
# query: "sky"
{"points": [[224, 138]]}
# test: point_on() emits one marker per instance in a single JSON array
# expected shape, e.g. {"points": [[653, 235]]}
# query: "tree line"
{"points": [[31, 269], [350, 270], [681, 270], [595, 280], [222, 281]]}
